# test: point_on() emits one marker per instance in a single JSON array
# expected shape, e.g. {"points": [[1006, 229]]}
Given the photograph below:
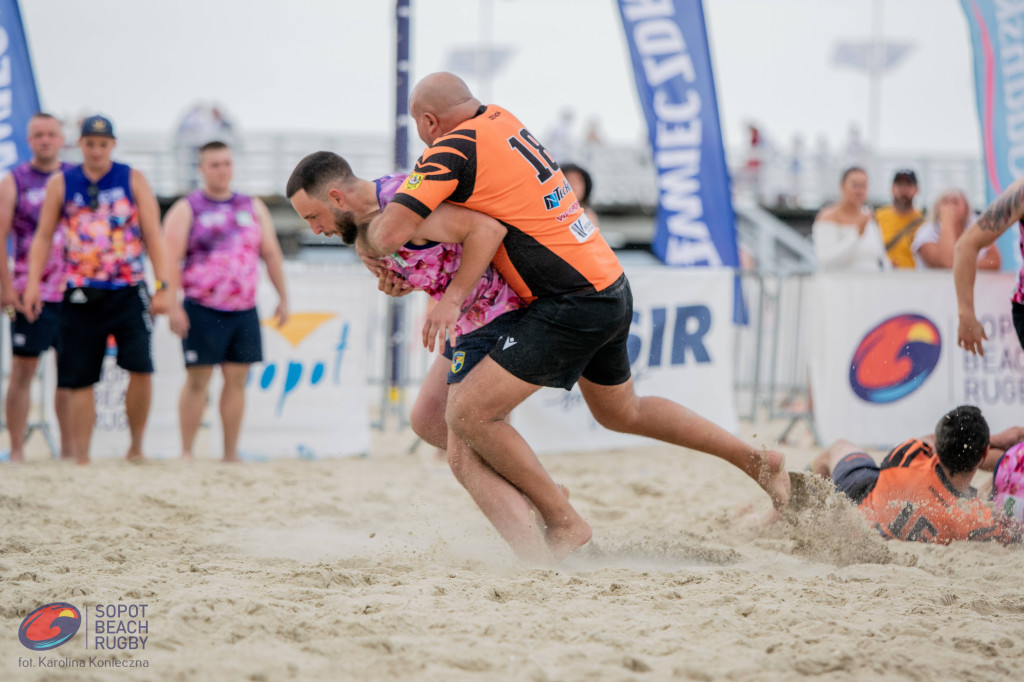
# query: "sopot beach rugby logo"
{"points": [[49, 626], [894, 358]]}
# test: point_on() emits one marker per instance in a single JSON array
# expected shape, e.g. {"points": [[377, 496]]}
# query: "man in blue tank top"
{"points": [[21, 196], [110, 219], [215, 241]]}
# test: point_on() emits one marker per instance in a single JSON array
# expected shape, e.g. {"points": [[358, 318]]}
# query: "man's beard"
{"points": [[346, 224], [902, 205]]}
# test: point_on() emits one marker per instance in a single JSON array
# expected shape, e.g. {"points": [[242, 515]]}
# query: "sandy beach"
{"points": [[382, 569]]}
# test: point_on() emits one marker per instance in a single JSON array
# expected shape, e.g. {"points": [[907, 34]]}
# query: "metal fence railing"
{"points": [[624, 174], [771, 373]]}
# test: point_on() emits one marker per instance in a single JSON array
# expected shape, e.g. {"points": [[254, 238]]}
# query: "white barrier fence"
{"points": [[312, 395], [308, 398], [881, 351]]}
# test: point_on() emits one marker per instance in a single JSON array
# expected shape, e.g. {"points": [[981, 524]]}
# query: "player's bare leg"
{"points": [[232, 406], [81, 417], [427, 414], [620, 409], [192, 404], [62, 409], [504, 505], [18, 402], [825, 463], [476, 414], [137, 399]]}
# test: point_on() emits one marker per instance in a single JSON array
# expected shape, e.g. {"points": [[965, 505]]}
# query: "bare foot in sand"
{"points": [[186, 457], [564, 539], [135, 458], [232, 459], [773, 477], [564, 542]]}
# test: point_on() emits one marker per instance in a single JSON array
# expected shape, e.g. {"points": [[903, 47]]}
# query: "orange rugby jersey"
{"points": [[492, 164], [914, 500]]}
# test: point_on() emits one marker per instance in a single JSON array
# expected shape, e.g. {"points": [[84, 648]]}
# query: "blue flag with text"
{"points": [[672, 64], [18, 97], [998, 46]]}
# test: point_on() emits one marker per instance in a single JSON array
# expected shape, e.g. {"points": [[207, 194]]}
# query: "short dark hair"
{"points": [[44, 116], [213, 146], [315, 171], [961, 438], [588, 182], [851, 169]]}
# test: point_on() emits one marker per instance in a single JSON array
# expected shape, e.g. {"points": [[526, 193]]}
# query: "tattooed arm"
{"points": [[1004, 212]]}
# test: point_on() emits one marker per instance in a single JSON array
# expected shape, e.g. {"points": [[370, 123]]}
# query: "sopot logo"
{"points": [[894, 358], [49, 626], [295, 331]]}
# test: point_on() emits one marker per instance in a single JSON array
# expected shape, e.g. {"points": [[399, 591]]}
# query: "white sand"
{"points": [[382, 569]]}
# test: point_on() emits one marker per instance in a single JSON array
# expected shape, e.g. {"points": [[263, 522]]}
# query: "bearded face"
{"points": [[903, 196], [348, 230]]}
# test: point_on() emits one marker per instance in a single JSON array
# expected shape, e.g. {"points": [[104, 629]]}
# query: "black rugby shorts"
{"points": [[561, 338], [88, 317]]}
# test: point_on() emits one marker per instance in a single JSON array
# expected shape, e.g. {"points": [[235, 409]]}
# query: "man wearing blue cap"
{"points": [[110, 219]]}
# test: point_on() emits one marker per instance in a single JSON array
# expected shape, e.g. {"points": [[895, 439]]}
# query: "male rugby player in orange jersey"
{"points": [[335, 202], [580, 312], [922, 490]]}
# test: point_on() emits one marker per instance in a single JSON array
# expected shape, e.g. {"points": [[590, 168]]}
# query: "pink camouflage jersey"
{"points": [[430, 267], [30, 188], [222, 261]]}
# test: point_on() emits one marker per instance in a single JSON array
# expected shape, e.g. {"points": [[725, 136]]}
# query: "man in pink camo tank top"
{"points": [[215, 240], [21, 196]]}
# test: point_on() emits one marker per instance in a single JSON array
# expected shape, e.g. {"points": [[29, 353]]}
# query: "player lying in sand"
{"points": [[922, 490]]}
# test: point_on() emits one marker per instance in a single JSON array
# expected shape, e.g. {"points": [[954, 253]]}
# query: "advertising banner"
{"points": [[885, 364], [672, 66], [306, 399], [997, 43], [18, 97]]}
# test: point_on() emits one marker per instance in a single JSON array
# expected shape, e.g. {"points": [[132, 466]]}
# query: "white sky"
{"points": [[326, 65]]}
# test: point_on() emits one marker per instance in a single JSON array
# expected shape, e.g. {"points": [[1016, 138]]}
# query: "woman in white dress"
{"points": [[845, 234]]}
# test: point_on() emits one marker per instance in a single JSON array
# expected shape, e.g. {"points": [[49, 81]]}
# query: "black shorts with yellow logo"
{"points": [[561, 338], [473, 347]]}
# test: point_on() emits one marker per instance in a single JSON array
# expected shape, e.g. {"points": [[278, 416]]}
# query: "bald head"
{"points": [[440, 102]]}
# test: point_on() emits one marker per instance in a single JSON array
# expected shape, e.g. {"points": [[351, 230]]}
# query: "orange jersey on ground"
{"points": [[914, 500], [492, 164]]}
